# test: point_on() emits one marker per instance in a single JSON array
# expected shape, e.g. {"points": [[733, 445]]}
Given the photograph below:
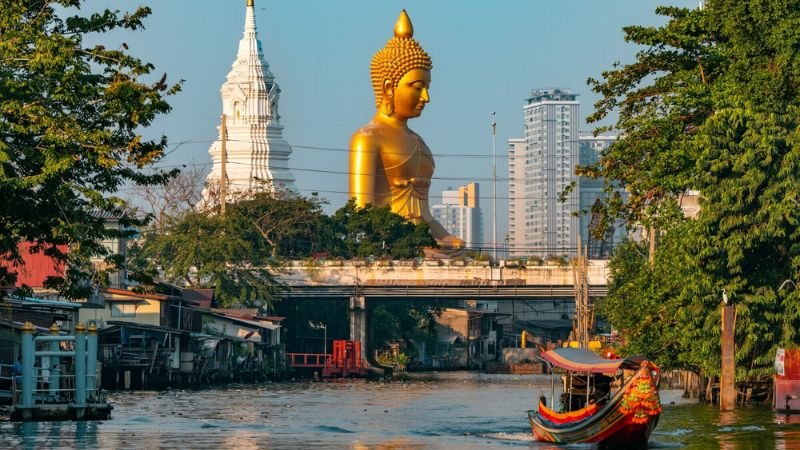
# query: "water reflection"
{"points": [[28, 431], [443, 411], [727, 419], [392, 444]]}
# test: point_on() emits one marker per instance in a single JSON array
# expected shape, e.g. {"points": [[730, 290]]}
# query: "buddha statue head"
{"points": [[401, 55]]}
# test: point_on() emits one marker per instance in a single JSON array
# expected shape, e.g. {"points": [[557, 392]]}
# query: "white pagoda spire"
{"points": [[255, 145]]}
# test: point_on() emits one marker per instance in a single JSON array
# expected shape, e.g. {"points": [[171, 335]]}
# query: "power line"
{"points": [[347, 150], [340, 149], [342, 172], [333, 172], [329, 191]]}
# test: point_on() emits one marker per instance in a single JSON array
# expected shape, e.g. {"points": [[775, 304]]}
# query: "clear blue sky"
{"points": [[487, 56]]}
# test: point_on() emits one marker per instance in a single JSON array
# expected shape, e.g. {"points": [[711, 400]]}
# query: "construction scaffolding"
{"points": [[584, 320]]}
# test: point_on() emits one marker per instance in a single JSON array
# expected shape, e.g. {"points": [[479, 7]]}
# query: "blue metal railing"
{"points": [[42, 380], [52, 387]]}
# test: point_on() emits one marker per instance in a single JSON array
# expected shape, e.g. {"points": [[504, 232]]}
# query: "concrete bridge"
{"points": [[437, 279], [360, 282]]}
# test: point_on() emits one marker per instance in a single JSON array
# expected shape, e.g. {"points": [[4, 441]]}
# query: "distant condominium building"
{"points": [[591, 191], [541, 167], [460, 214], [517, 236]]}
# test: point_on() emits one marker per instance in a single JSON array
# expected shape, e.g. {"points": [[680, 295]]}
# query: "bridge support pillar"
{"points": [[358, 323]]}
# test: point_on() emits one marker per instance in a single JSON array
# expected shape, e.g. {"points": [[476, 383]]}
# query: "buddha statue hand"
{"points": [[449, 247], [450, 242], [414, 181]]}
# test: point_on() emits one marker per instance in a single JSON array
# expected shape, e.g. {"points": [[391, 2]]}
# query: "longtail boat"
{"points": [[591, 412]]}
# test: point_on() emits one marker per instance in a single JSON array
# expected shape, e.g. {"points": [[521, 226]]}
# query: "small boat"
{"points": [[591, 412]]}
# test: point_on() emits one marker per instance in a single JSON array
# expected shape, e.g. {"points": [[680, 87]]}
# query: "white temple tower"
{"points": [[255, 145]]}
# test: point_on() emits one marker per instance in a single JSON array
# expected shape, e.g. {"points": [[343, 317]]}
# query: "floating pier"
{"points": [[45, 390]]}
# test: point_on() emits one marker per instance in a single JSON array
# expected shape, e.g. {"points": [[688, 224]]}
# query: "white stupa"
{"points": [[255, 145]]}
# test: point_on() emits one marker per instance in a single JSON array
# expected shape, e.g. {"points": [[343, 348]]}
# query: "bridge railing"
{"points": [[308, 359], [6, 376]]}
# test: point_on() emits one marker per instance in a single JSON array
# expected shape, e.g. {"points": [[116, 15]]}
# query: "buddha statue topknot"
{"points": [[390, 165]]}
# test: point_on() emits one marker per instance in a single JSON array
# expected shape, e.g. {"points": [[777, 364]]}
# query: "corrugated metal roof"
{"points": [[254, 323], [200, 297], [142, 326], [52, 303], [108, 215], [36, 267], [125, 292], [242, 312], [272, 318]]}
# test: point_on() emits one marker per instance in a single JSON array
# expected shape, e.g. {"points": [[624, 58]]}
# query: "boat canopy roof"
{"points": [[583, 360]]}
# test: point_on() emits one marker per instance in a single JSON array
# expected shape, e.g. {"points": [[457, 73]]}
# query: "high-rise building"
{"points": [[516, 239], [255, 146], [590, 192], [540, 223], [460, 214]]}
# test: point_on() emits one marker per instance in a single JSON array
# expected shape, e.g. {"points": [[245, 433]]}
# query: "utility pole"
{"points": [[494, 187], [223, 179]]}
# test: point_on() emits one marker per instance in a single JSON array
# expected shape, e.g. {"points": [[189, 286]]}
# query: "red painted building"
{"points": [[36, 266]]}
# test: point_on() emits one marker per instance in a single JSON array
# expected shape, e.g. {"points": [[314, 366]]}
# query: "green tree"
{"points": [[238, 253], [395, 320], [373, 231], [72, 118], [288, 223], [711, 104], [200, 250]]}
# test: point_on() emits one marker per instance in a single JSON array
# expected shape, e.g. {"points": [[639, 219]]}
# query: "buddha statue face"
{"points": [[410, 95]]}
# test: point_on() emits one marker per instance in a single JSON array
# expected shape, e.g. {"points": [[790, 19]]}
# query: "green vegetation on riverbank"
{"points": [[710, 106]]}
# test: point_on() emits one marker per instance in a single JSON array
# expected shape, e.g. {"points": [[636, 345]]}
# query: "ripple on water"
{"points": [[141, 419], [675, 432], [509, 436], [742, 428], [426, 433], [332, 429], [656, 444]]}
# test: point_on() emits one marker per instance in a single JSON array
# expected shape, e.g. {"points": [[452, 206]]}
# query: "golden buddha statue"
{"points": [[390, 165]]}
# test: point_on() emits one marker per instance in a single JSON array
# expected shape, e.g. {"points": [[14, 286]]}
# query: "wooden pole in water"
{"points": [[727, 388]]}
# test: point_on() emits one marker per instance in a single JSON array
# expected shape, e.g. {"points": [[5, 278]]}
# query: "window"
{"points": [[123, 310]]}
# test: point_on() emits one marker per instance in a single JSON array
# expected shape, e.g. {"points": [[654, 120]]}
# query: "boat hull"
{"points": [[615, 432]]}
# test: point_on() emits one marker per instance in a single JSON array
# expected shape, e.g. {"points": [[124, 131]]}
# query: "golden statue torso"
{"points": [[403, 167]]}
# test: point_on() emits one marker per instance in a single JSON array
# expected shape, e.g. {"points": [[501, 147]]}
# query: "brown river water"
{"points": [[456, 410]]}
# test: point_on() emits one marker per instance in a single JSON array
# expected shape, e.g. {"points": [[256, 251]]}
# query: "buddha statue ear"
{"points": [[387, 105]]}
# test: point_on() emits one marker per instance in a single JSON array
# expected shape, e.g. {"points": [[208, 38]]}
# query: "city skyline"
{"points": [[485, 59]]}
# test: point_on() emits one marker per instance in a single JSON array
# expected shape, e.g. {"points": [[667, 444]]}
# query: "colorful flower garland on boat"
{"points": [[641, 398]]}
